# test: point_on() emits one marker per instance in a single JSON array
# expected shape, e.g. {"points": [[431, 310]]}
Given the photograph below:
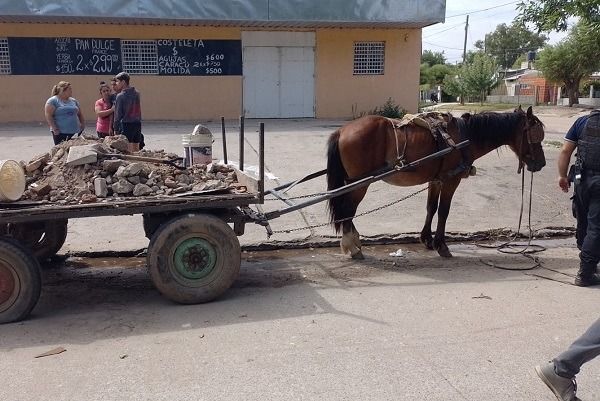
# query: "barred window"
{"points": [[369, 58], [4, 57], [139, 56]]}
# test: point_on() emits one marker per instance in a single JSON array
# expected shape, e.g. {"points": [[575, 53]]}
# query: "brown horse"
{"points": [[371, 143]]}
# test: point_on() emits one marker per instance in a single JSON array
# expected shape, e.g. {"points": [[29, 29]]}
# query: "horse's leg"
{"points": [[433, 197], [439, 240], [350, 242]]}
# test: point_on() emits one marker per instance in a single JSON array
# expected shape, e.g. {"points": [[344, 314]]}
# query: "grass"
{"points": [[476, 107], [556, 144]]}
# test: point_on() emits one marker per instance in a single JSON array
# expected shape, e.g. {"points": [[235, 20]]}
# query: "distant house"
{"points": [[201, 59], [524, 86]]}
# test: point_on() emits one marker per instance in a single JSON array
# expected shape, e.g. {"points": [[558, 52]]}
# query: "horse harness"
{"points": [[534, 134], [437, 124]]}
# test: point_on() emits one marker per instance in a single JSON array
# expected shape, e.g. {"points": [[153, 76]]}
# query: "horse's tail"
{"points": [[336, 174]]}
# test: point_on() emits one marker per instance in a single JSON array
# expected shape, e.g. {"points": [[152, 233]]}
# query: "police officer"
{"points": [[585, 136]]}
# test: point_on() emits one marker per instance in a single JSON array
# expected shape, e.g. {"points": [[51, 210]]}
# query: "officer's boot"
{"points": [[587, 276]]}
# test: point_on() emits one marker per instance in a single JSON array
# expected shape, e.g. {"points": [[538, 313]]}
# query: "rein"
{"points": [[514, 249]]}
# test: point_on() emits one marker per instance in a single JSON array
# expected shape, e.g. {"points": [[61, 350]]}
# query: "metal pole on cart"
{"points": [[261, 163], [241, 143], [224, 140]]}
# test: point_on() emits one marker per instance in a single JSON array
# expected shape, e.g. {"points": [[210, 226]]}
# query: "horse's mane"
{"points": [[490, 128]]}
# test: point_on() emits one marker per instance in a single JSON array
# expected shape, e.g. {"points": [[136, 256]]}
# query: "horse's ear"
{"points": [[529, 112], [519, 109]]}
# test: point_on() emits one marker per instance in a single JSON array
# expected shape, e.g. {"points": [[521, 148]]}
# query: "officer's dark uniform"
{"points": [[586, 133]]}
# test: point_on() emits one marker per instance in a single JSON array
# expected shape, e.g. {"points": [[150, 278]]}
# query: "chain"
{"points": [[298, 197], [353, 217]]}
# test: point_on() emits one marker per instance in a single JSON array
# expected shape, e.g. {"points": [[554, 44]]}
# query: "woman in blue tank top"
{"points": [[63, 113]]}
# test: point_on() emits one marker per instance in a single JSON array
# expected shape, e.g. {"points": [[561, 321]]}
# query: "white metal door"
{"points": [[296, 94], [261, 82], [278, 81]]}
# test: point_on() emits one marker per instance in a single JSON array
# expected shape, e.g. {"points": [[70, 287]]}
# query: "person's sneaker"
{"points": [[587, 280], [564, 389]]}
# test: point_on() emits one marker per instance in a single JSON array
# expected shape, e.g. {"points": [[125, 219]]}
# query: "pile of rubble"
{"points": [[91, 170]]}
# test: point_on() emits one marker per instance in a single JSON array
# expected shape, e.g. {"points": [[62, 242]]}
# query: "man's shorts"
{"points": [[133, 132]]}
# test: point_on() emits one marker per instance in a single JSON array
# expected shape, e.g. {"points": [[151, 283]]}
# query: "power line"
{"points": [[443, 47], [482, 10], [444, 30]]}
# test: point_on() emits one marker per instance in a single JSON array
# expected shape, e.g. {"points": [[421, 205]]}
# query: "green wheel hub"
{"points": [[194, 259]]}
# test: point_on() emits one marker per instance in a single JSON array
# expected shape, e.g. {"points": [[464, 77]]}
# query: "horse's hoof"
{"points": [[444, 253], [428, 244], [358, 255]]}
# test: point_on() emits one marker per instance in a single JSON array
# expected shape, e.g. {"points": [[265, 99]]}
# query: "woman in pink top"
{"points": [[104, 110]]}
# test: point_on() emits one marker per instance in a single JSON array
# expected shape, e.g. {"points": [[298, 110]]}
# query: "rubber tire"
{"points": [[164, 243], [45, 240], [26, 270]]}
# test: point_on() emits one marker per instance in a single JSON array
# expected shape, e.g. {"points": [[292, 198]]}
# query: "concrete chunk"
{"points": [[100, 187], [79, 155], [111, 166]]}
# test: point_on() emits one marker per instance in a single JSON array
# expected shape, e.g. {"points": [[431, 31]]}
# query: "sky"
{"points": [[484, 16]]}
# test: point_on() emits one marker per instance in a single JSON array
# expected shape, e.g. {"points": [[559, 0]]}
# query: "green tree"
{"points": [[454, 85], [473, 79], [424, 77], [508, 42], [574, 58], [553, 15], [480, 76], [432, 58], [436, 74]]}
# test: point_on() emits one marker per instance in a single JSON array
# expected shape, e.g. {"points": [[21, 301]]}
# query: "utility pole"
{"points": [[462, 95], [465, 43]]}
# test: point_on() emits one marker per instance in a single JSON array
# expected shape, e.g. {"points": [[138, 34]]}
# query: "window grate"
{"points": [[4, 57], [139, 56], [369, 58]]}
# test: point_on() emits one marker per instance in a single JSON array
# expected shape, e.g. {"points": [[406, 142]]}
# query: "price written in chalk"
{"points": [[87, 56], [199, 57]]}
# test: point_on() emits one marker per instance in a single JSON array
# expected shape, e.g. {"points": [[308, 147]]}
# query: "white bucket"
{"points": [[12, 181], [198, 146]]}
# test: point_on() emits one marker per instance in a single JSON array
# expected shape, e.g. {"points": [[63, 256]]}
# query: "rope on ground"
{"points": [[509, 247]]}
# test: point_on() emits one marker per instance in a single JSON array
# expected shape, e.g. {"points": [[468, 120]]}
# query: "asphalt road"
{"points": [[311, 324]]}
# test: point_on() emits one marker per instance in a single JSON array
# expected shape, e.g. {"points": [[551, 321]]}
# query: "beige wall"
{"points": [[338, 90], [205, 98]]}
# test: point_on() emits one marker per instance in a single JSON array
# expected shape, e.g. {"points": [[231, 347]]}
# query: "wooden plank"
{"points": [[124, 207]]}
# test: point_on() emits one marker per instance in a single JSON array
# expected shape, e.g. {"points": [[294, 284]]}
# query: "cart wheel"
{"points": [[194, 258], [20, 281], [44, 238]]}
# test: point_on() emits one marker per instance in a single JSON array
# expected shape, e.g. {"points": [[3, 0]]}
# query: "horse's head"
{"points": [[528, 141]]}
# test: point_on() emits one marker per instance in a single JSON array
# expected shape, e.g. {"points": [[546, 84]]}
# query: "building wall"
{"points": [[337, 91]]}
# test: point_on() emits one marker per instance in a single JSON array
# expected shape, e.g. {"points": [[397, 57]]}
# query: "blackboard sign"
{"points": [[68, 56], [199, 57]]}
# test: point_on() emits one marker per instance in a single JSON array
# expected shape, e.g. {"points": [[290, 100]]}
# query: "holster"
{"points": [[574, 174]]}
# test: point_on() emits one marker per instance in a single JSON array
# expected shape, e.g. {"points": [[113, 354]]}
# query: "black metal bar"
{"points": [[241, 143], [224, 140], [281, 197], [363, 182], [292, 184], [261, 163]]}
